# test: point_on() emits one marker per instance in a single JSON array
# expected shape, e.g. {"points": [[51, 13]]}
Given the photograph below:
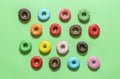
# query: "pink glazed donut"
{"points": [[62, 47], [93, 62]]}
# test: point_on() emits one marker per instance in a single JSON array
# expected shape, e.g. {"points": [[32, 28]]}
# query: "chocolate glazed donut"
{"points": [[82, 47], [54, 63], [75, 30], [24, 14]]}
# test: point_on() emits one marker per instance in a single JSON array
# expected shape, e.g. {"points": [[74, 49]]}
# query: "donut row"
{"points": [[72, 63], [62, 47], [55, 30], [44, 14]]}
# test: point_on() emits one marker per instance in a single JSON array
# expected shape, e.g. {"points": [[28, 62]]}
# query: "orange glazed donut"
{"points": [[36, 30]]}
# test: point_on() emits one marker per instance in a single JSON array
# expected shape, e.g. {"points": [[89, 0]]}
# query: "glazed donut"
{"points": [[25, 46], [54, 63], [44, 47], [73, 63], [24, 14], [62, 47], [65, 15], [36, 30], [94, 30], [55, 29], [84, 16], [43, 14], [36, 62], [93, 62]]}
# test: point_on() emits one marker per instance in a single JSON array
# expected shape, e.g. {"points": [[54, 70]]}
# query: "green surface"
{"points": [[14, 65]]}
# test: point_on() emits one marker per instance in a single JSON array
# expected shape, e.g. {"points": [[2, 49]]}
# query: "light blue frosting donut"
{"points": [[43, 14], [73, 63]]}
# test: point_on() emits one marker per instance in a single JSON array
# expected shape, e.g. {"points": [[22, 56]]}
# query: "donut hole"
{"points": [[54, 62], [94, 29], [73, 62], [36, 61], [44, 14], [24, 14], [25, 45], [65, 14], [36, 29], [55, 29], [82, 46], [62, 47], [75, 30], [84, 14], [93, 62], [44, 46]]}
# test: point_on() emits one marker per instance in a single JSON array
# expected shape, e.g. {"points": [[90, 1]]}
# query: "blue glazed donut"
{"points": [[73, 63], [43, 14]]}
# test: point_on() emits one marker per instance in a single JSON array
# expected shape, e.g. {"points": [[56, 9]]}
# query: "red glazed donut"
{"points": [[36, 62], [94, 30], [55, 29], [65, 15]]}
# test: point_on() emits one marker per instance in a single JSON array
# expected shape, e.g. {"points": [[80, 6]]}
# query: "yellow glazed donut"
{"points": [[44, 47]]}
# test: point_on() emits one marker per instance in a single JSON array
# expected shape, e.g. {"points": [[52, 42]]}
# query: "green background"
{"points": [[105, 13]]}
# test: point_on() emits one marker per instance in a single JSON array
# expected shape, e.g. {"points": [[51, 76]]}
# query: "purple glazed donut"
{"points": [[93, 62], [62, 47]]}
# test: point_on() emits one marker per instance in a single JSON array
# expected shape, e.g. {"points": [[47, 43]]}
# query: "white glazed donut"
{"points": [[62, 47]]}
